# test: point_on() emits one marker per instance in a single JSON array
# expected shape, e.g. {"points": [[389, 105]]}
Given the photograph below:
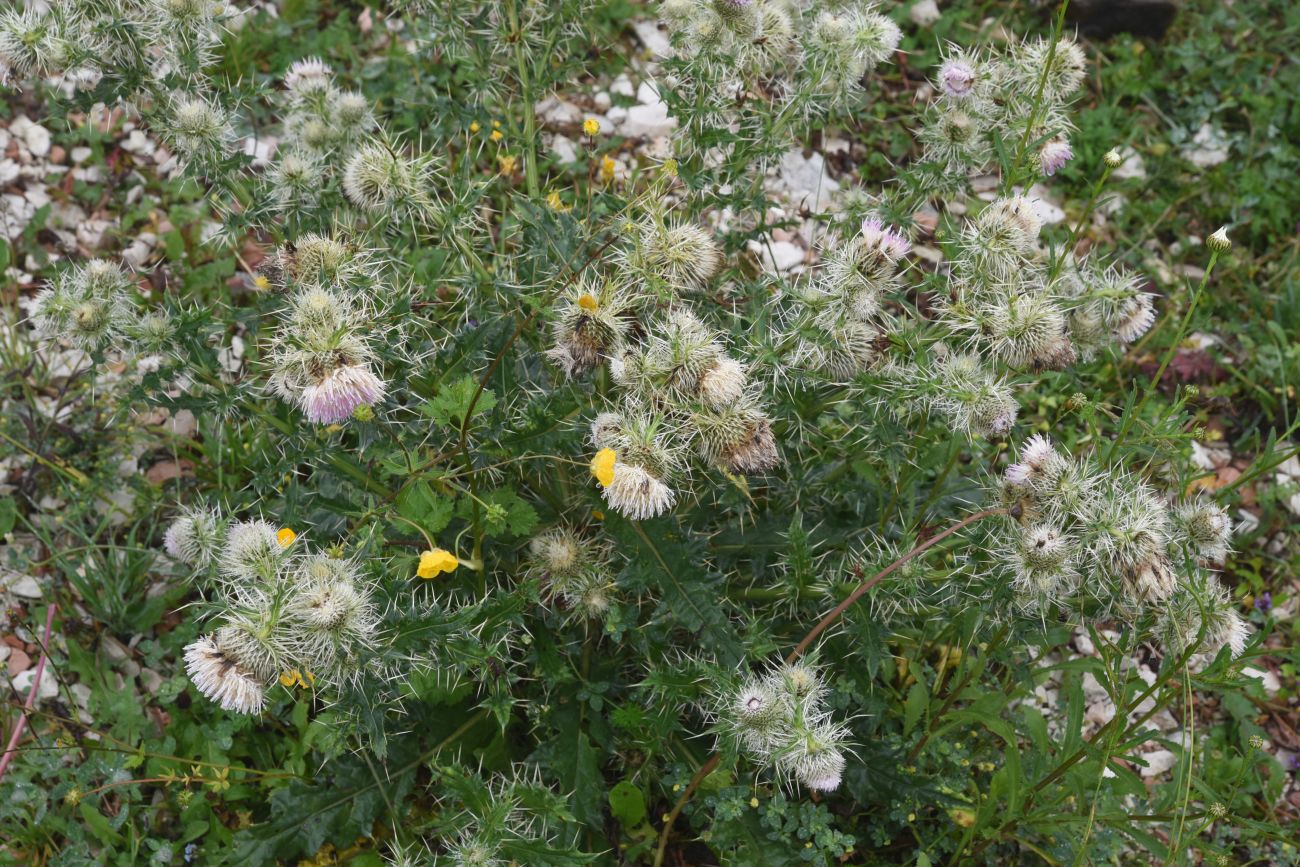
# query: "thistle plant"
{"points": [[568, 449]]}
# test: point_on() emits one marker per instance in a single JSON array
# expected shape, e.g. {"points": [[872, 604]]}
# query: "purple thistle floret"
{"points": [[891, 243], [1264, 602], [334, 398], [1054, 155], [956, 78]]}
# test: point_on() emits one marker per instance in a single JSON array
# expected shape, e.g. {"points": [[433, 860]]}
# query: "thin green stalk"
{"points": [[526, 92], [1169, 356]]}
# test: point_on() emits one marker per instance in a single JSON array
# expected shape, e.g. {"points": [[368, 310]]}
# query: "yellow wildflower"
{"points": [[555, 203], [496, 124], [507, 163], [434, 563], [474, 127], [591, 126], [602, 466], [588, 302], [293, 677], [607, 168], [496, 135], [260, 283], [285, 537]]}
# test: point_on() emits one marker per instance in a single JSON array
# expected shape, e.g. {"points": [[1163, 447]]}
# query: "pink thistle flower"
{"points": [[891, 243], [956, 78], [1054, 155], [341, 391]]}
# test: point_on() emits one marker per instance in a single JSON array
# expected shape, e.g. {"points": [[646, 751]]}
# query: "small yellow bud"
{"points": [[474, 127], [496, 135], [753, 802], [285, 537], [588, 302]]}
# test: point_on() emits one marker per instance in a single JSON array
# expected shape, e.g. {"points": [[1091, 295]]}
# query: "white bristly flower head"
{"points": [[1208, 529], [638, 495], [722, 384], [197, 127], [221, 677], [251, 552], [195, 537], [308, 77]]}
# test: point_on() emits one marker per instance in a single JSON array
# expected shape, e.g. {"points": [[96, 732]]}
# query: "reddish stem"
{"points": [[12, 749]]}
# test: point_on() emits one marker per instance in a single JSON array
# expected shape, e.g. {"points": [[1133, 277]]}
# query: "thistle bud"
{"points": [[1113, 159], [1219, 241]]}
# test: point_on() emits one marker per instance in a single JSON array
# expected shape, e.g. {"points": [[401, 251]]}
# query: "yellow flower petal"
{"points": [[591, 126], [602, 466], [285, 537], [289, 678], [434, 563], [588, 302]]}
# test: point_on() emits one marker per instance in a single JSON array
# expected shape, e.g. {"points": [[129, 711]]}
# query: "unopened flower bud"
{"points": [[1113, 159], [1219, 242]]}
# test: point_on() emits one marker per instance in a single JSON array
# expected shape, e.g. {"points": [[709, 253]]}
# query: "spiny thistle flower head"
{"points": [[220, 676], [557, 551], [682, 255], [1024, 329], [296, 180], [957, 76], [575, 571], [1054, 155], [723, 383], [251, 551], [637, 494], [738, 438], [814, 757], [308, 76], [972, 398], [321, 260], [195, 538], [591, 321], [30, 44], [197, 127], [88, 306], [1061, 67], [352, 113], [1207, 527], [335, 396], [151, 331], [840, 347], [329, 597], [1205, 613], [1038, 461], [378, 179], [884, 240]]}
